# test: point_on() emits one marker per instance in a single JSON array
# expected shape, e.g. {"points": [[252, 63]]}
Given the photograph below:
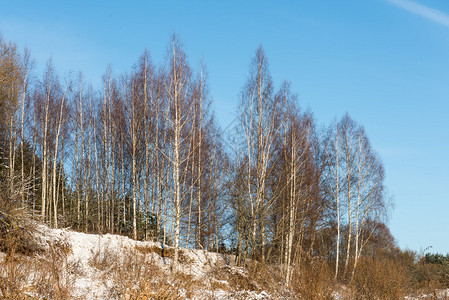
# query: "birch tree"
{"points": [[333, 182], [27, 66], [12, 83], [178, 88], [43, 98], [61, 121], [257, 113], [371, 205]]}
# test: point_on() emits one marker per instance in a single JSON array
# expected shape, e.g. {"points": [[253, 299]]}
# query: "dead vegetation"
{"points": [[139, 270], [28, 268], [165, 252], [17, 229], [313, 280], [37, 276], [380, 279], [136, 275]]}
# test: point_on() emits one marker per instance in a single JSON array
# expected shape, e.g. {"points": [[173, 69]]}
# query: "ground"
{"points": [[93, 266]]}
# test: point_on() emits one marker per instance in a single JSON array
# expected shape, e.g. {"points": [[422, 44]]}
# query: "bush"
{"points": [[16, 229], [380, 278], [437, 259], [431, 272], [313, 280]]}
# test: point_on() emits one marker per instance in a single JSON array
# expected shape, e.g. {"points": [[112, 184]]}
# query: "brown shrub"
{"points": [[313, 279], [380, 279], [17, 231]]}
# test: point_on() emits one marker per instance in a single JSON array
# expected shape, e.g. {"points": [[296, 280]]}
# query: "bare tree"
{"points": [[355, 182], [43, 100], [258, 112], [178, 89], [133, 116], [12, 83], [333, 181], [61, 120], [27, 66], [371, 205]]}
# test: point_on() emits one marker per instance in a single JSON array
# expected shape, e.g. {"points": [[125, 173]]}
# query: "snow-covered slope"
{"points": [[65, 264], [112, 266]]}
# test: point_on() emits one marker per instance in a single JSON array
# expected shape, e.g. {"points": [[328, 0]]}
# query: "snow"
{"points": [[437, 294], [91, 276], [93, 264]]}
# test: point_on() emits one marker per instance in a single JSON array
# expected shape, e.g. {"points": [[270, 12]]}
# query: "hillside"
{"points": [[91, 266], [64, 264]]}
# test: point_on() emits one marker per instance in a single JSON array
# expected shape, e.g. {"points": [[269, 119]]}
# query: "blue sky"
{"points": [[386, 62]]}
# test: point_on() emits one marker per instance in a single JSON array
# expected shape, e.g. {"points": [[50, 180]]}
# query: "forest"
{"points": [[143, 156]]}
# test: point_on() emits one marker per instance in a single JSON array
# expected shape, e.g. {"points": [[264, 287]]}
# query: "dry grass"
{"points": [[237, 279], [27, 271], [239, 282], [139, 274], [132, 275], [166, 252], [17, 230], [31, 277]]}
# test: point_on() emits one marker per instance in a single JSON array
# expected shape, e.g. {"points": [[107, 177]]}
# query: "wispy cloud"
{"points": [[423, 11]]}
